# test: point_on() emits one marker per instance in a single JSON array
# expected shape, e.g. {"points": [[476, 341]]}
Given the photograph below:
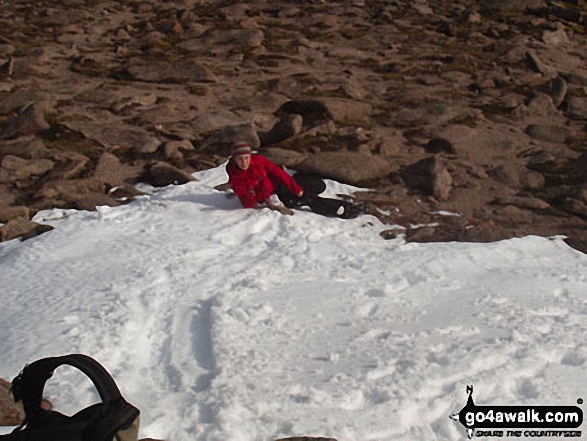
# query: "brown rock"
{"points": [[29, 121], [27, 147], [224, 39], [549, 132], [81, 194], [578, 169], [577, 108], [15, 168], [220, 141], [22, 227], [284, 157], [287, 127], [512, 5], [313, 112], [75, 164], [349, 167], [349, 111], [177, 73], [9, 213], [429, 176], [161, 174], [508, 174], [111, 172], [119, 136], [11, 413], [557, 90]]}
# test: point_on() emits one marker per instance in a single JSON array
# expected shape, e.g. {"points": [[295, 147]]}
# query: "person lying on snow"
{"points": [[260, 183]]}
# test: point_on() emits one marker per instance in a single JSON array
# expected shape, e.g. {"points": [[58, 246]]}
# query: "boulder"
{"points": [[439, 145], [112, 173], [27, 147], [81, 194], [353, 168], [287, 127], [430, 176], [13, 212], [577, 107], [512, 5], [220, 141], [313, 112], [349, 111], [227, 39], [14, 168], [140, 101], [173, 150], [549, 132], [11, 413], [112, 136], [555, 38], [578, 169], [284, 157], [29, 121], [172, 73], [22, 227], [161, 174]]}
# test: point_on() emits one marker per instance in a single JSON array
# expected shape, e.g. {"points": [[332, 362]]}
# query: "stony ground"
{"points": [[466, 118]]}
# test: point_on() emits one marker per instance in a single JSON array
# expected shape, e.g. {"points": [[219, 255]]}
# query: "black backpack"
{"points": [[112, 419]]}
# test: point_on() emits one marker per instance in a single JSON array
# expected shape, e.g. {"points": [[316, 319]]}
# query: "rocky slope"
{"points": [[466, 118]]}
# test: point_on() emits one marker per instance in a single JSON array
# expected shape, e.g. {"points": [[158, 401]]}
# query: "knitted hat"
{"points": [[240, 148]]}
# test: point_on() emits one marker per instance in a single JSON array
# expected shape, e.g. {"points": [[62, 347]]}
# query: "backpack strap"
{"points": [[29, 384]]}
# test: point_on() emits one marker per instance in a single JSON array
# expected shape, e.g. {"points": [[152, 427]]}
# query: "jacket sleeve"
{"points": [[279, 175]]}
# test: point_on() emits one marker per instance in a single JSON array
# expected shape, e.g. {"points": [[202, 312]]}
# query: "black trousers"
{"points": [[313, 186]]}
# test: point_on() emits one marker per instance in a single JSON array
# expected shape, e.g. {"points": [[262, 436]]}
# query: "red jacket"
{"points": [[258, 181]]}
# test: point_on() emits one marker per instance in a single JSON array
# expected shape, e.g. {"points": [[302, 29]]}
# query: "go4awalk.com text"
{"points": [[520, 421]]}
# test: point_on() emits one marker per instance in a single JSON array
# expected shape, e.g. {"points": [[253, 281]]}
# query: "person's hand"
{"points": [[301, 193]]}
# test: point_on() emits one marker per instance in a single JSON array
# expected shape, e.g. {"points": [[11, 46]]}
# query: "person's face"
{"points": [[242, 161]]}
